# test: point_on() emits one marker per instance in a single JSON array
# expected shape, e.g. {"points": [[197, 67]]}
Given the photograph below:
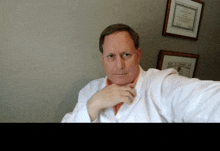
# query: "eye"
{"points": [[126, 55], [110, 56]]}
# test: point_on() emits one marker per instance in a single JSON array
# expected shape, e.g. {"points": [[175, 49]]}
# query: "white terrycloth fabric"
{"points": [[162, 96]]}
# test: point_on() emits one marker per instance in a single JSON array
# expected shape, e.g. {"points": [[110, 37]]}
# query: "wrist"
{"points": [[93, 109]]}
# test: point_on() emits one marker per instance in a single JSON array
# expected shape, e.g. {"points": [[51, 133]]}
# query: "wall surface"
{"points": [[49, 49]]}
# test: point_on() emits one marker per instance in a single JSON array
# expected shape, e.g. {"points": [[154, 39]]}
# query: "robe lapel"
{"points": [[126, 109], [127, 113], [107, 116]]}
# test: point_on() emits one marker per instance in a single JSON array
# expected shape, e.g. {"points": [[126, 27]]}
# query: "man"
{"points": [[129, 94]]}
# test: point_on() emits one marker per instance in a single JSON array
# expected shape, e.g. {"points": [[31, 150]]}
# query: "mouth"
{"points": [[121, 74]]}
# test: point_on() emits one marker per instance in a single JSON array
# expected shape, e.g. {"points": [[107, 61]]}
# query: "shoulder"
{"points": [[158, 75], [93, 86], [156, 72]]}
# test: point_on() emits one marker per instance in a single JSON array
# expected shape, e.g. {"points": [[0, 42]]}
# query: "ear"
{"points": [[139, 55]]}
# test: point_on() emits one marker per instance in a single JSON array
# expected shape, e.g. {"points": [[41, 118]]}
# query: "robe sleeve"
{"points": [[190, 99], [80, 112]]}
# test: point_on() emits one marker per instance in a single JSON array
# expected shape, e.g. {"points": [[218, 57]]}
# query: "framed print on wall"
{"points": [[183, 18], [184, 63]]}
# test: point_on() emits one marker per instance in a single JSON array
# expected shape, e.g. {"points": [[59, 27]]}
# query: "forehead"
{"points": [[118, 41]]}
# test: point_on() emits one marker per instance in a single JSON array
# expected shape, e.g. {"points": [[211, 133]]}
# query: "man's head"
{"points": [[120, 53]]}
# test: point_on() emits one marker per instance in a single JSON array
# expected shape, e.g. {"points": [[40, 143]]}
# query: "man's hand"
{"points": [[109, 97]]}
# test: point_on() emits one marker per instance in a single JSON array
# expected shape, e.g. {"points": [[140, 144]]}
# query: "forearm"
{"points": [[193, 100], [93, 109]]}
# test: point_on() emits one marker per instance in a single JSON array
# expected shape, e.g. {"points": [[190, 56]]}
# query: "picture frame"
{"points": [[183, 18], [184, 63]]}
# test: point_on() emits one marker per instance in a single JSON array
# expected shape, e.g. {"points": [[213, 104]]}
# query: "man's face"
{"points": [[120, 58]]}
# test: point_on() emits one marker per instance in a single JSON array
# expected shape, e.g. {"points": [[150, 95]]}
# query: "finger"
{"points": [[127, 100], [130, 90], [128, 97], [131, 85]]}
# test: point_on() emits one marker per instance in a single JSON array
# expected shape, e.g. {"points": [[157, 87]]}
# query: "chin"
{"points": [[121, 81]]}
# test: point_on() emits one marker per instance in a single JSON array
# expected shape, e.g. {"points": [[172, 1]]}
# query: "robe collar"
{"points": [[123, 112], [138, 80]]}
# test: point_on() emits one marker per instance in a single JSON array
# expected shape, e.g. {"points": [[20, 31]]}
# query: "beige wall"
{"points": [[49, 49]]}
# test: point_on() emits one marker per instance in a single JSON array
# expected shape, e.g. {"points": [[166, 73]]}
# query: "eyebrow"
{"points": [[109, 54], [126, 51]]}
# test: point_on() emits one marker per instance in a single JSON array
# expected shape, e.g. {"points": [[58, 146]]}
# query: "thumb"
{"points": [[127, 100]]}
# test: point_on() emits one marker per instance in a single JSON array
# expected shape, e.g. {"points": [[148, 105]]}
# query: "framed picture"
{"points": [[183, 18], [184, 63]]}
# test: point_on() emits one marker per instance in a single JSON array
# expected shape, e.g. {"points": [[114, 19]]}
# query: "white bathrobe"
{"points": [[162, 96]]}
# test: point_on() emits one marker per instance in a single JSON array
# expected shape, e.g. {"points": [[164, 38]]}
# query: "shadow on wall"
{"points": [[69, 102]]}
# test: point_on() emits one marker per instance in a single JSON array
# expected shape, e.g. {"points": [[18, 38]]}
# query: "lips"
{"points": [[120, 74]]}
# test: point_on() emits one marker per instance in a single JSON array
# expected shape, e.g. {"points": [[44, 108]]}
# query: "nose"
{"points": [[120, 63]]}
